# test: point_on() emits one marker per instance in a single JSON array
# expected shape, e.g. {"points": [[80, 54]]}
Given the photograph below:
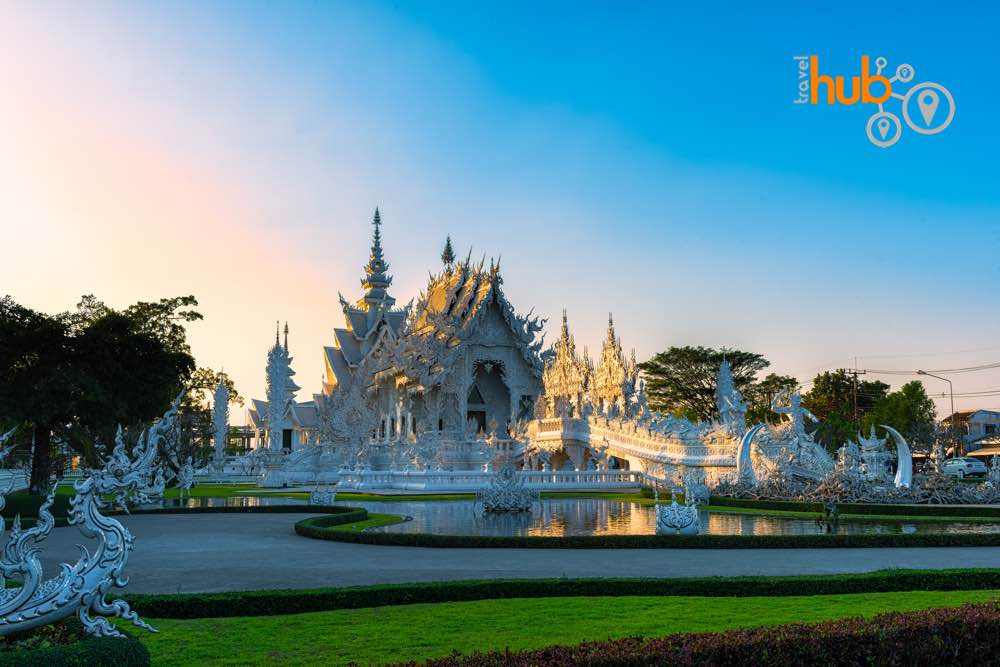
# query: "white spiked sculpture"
{"points": [[220, 419], [904, 459], [506, 492], [81, 588]]}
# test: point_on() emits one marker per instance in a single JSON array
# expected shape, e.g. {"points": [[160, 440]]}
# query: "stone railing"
{"points": [[473, 480]]}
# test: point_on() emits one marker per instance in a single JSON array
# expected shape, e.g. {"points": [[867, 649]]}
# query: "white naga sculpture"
{"points": [[506, 492], [220, 420], [81, 588], [675, 519]]}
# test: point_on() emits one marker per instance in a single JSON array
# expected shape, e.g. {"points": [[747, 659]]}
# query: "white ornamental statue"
{"points": [[794, 411], [729, 401], [220, 419]]}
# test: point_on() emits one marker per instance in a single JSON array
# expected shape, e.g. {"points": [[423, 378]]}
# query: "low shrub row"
{"points": [[967, 635], [27, 504], [309, 528], [278, 602], [88, 652], [860, 508]]}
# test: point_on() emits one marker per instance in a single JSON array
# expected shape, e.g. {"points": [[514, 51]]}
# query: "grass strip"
{"points": [[425, 631]]}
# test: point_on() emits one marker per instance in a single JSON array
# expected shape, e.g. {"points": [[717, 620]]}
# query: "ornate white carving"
{"points": [[81, 588], [506, 492], [280, 389], [729, 402], [675, 519], [220, 419]]}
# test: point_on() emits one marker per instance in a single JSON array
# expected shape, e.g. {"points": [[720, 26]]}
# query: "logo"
{"points": [[926, 108]]}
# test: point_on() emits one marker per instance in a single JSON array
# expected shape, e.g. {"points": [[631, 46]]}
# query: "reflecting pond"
{"points": [[234, 501], [592, 516]]}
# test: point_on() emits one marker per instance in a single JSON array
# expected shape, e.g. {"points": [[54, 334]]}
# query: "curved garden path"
{"points": [[220, 552]]}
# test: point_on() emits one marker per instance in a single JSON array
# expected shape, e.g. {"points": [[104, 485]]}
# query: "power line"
{"points": [[946, 371]]}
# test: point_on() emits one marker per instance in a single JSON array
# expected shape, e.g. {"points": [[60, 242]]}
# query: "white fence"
{"points": [[473, 480]]}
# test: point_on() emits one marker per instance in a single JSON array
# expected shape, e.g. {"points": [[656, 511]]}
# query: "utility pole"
{"points": [[854, 373]]}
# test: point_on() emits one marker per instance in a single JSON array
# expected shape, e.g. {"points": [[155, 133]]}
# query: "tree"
{"points": [[682, 380], [832, 400], [78, 375], [448, 256], [34, 391], [910, 411], [122, 373]]}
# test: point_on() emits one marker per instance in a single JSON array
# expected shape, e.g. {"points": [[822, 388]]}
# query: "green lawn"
{"points": [[422, 631]]}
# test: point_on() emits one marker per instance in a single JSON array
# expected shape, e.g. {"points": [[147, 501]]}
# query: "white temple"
{"points": [[420, 386], [458, 382]]}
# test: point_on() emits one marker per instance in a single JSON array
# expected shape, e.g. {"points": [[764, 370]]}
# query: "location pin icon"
{"points": [[883, 126], [928, 102]]}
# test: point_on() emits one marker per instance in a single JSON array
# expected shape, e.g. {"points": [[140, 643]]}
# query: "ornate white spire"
{"points": [[280, 388], [565, 377], [612, 382], [376, 280], [220, 417]]}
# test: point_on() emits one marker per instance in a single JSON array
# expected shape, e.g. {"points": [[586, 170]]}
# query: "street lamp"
{"points": [[959, 450]]}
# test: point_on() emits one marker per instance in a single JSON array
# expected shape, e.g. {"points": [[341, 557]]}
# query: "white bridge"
{"points": [[708, 451]]}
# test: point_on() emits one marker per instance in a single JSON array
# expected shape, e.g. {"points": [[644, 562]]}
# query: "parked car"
{"points": [[965, 466]]}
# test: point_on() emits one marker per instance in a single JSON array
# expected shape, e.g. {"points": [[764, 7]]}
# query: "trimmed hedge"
{"points": [[92, 652], [279, 602], [968, 635], [27, 504], [860, 508], [312, 528]]}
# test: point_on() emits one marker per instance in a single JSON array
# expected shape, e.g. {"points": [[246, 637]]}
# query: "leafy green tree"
{"points": [[35, 394], [78, 375], [831, 399], [682, 380], [910, 411]]}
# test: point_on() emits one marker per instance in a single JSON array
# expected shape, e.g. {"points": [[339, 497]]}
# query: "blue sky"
{"points": [[643, 158]]}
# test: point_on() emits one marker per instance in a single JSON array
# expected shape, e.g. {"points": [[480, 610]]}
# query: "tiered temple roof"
{"points": [[373, 316]]}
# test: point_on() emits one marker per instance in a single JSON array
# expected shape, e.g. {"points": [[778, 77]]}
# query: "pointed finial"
{"points": [[286, 336], [277, 332]]}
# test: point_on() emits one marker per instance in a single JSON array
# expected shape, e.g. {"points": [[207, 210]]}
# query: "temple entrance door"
{"points": [[479, 416], [489, 387]]}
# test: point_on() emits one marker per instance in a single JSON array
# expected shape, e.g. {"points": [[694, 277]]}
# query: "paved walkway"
{"points": [[221, 552]]}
